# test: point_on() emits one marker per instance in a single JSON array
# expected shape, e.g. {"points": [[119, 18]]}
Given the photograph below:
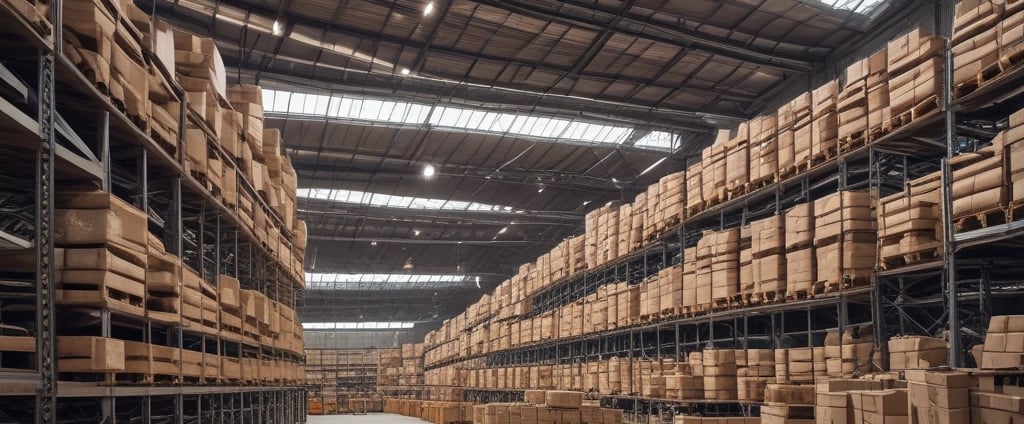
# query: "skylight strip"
{"points": [[362, 325], [659, 140], [391, 201], [442, 116]]}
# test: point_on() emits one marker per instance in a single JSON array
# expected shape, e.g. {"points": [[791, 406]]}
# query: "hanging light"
{"points": [[502, 230], [429, 171], [373, 243], [477, 281], [276, 29], [405, 71], [428, 9], [415, 232], [408, 264]]}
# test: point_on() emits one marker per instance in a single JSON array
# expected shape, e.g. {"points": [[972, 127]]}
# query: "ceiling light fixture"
{"points": [[276, 29], [477, 281], [415, 232], [408, 264], [373, 243], [429, 171], [653, 165], [586, 202], [540, 189], [428, 9], [502, 230], [405, 71]]}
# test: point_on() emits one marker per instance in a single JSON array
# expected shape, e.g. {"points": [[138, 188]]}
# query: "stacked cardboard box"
{"points": [[746, 275], [683, 385], [794, 120], [852, 353], [915, 75], [804, 364], [713, 173], [719, 374], [718, 262], [833, 404], [694, 189], [755, 370], [788, 404], [916, 352], [768, 252], [863, 104], [670, 200], [845, 238], [764, 150], [978, 184], [879, 406], [652, 202], [602, 235], [939, 397], [497, 413], [737, 161], [801, 262], [1004, 342], [909, 223], [1013, 140], [975, 42], [690, 303], [825, 126], [688, 419]]}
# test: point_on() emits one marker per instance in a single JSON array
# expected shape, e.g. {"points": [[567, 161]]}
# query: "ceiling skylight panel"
{"points": [[659, 140], [390, 201]]}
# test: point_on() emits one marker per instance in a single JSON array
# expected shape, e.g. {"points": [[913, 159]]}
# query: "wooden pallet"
{"points": [[102, 290], [995, 216], [852, 141], [915, 112], [771, 296], [929, 253]]}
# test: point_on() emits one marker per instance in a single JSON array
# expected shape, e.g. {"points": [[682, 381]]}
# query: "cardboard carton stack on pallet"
{"points": [[764, 151], [737, 162], [688, 419], [694, 189], [909, 223], [845, 239], [979, 191], [746, 274], [803, 365], [713, 172], [794, 120], [1013, 139], [683, 384], [986, 42], [768, 250], [670, 201], [825, 126], [801, 262], [915, 75], [863, 103]]}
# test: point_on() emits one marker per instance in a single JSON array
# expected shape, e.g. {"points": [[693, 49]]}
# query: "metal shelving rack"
{"points": [[908, 300], [46, 108]]}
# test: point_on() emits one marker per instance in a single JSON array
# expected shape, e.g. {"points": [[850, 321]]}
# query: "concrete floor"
{"points": [[363, 419]]}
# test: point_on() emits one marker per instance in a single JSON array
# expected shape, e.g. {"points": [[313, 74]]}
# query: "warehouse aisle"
{"points": [[363, 419]]}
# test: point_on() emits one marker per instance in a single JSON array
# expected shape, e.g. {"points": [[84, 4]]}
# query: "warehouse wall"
{"points": [[362, 339]]}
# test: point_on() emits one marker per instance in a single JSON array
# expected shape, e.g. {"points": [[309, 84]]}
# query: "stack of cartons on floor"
{"points": [[879, 406], [833, 404], [845, 239], [916, 352], [788, 404], [1004, 342], [755, 371], [939, 397], [915, 75], [689, 419]]}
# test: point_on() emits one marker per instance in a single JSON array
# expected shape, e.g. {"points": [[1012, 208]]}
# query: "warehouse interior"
{"points": [[512, 211]]}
